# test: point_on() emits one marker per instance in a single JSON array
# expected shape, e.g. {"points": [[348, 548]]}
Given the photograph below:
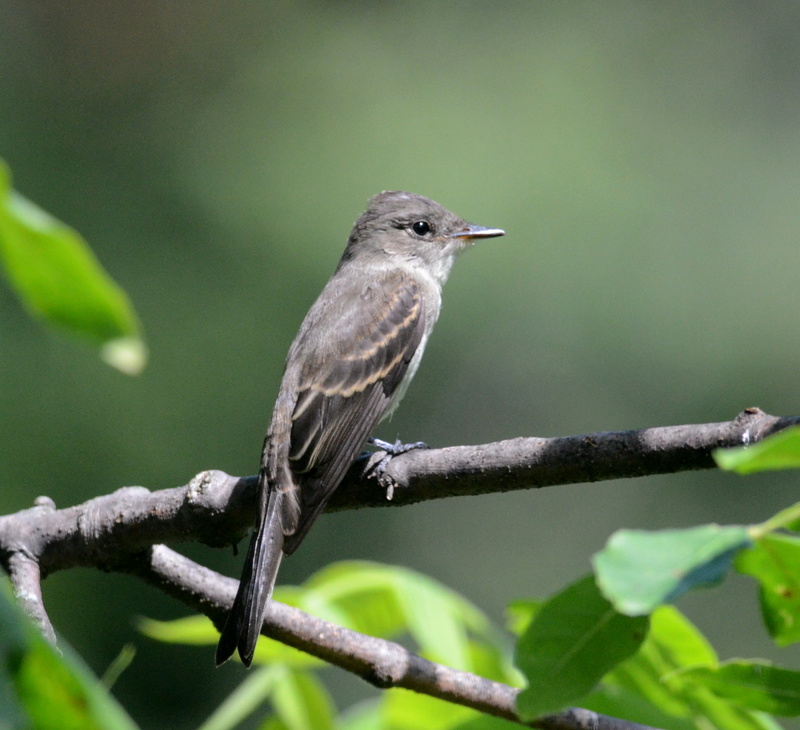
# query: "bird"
{"points": [[347, 369]]}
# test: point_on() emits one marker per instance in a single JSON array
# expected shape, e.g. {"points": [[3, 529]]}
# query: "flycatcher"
{"points": [[349, 366]]}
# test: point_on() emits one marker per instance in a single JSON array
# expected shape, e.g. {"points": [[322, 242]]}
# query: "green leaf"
{"points": [[40, 689], [383, 601], [302, 702], [57, 277], [244, 700], [403, 710], [779, 451], [191, 630], [486, 722], [774, 561], [494, 663], [358, 595], [672, 643], [638, 570], [757, 685], [435, 620], [121, 662], [520, 613], [653, 685], [786, 519], [298, 698], [199, 631], [617, 701], [575, 639], [377, 600]]}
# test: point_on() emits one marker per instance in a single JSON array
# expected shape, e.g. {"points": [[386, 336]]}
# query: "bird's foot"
{"points": [[379, 460]]}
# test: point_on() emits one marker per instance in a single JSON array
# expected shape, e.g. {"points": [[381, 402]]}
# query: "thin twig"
{"points": [[382, 663]]}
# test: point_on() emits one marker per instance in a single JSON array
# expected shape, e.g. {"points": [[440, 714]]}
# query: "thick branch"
{"points": [[527, 463], [216, 509], [380, 662]]}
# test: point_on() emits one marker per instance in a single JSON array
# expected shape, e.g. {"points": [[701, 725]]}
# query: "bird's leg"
{"points": [[379, 460], [397, 448]]}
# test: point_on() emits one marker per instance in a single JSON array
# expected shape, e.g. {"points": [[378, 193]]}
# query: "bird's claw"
{"points": [[379, 460]]}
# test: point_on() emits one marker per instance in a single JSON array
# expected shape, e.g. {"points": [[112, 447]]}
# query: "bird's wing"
{"points": [[344, 391]]}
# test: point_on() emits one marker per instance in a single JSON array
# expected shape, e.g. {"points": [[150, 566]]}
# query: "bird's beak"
{"points": [[473, 231]]}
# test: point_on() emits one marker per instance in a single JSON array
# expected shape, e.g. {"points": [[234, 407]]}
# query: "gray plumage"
{"points": [[350, 364]]}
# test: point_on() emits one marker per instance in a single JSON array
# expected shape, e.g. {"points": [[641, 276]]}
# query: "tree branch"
{"points": [[382, 663], [216, 509], [529, 463]]}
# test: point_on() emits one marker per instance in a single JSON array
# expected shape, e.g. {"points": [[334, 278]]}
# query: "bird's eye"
{"points": [[421, 228]]}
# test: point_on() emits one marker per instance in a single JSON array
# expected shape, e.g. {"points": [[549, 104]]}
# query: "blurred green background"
{"points": [[643, 157]]}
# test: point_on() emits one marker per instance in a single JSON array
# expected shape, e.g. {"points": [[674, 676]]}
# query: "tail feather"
{"points": [[255, 587]]}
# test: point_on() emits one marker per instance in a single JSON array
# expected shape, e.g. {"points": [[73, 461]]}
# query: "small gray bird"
{"points": [[349, 366]]}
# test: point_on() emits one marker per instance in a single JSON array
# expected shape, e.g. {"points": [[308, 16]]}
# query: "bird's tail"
{"points": [[258, 578]]}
